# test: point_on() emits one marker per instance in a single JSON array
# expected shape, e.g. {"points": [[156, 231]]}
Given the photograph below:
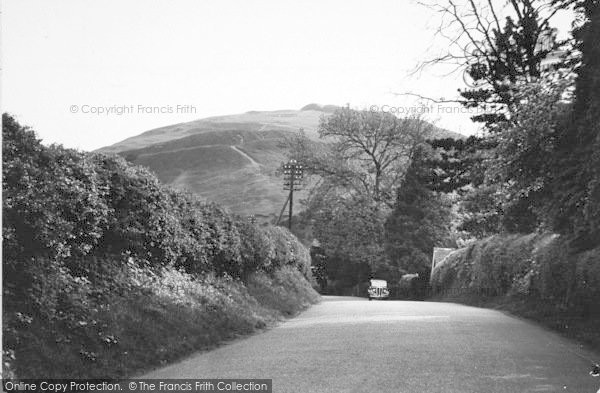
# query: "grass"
{"points": [[162, 320], [289, 120]]}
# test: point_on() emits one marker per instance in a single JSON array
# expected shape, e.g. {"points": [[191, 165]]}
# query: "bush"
{"points": [[164, 316], [60, 203], [53, 199], [587, 282], [554, 270], [284, 249], [540, 266], [84, 234], [452, 274], [286, 291], [500, 262]]}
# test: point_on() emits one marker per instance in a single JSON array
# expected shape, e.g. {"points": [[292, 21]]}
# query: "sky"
{"points": [[88, 74]]}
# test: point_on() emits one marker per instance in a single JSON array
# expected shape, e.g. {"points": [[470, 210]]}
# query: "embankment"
{"points": [[537, 276]]}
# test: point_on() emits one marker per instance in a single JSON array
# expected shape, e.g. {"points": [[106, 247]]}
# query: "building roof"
{"points": [[439, 253]]}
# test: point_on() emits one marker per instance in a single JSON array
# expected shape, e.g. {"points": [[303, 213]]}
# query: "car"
{"points": [[378, 290]]}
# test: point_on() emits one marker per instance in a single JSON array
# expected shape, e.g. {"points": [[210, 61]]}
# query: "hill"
{"points": [[230, 159]]}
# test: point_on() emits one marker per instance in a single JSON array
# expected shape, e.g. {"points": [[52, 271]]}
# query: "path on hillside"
{"points": [[353, 345], [179, 149], [252, 162]]}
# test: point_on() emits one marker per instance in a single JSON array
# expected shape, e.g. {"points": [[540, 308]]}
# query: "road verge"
{"points": [[537, 276]]}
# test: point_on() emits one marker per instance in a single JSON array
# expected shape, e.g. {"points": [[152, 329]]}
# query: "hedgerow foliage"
{"points": [[538, 266], [76, 226]]}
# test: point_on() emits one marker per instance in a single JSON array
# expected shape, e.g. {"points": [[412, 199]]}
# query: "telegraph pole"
{"points": [[291, 208], [293, 174]]}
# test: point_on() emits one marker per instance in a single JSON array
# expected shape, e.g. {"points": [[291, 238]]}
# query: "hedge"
{"points": [[73, 221], [63, 205], [537, 266]]}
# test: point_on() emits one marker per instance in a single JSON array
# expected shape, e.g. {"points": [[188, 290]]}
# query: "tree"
{"points": [[358, 171], [459, 167], [546, 161], [369, 151], [480, 211], [351, 229], [458, 163], [499, 47], [523, 160], [421, 219], [505, 178], [575, 204]]}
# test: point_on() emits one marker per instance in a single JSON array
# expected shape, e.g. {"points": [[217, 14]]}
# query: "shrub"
{"points": [[554, 271], [539, 266], [86, 234], [500, 261], [143, 220], [286, 290], [587, 282], [60, 203], [52, 198], [163, 316], [254, 248], [284, 249], [447, 277]]}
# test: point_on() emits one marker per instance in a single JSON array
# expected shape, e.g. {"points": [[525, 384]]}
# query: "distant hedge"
{"points": [[537, 266]]}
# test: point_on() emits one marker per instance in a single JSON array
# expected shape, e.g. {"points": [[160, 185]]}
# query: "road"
{"points": [[353, 345]]}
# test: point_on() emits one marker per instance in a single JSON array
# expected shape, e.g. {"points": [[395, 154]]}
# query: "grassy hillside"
{"points": [[283, 120], [232, 160]]}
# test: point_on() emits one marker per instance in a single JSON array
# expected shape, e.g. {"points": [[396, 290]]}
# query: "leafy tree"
{"points": [[458, 164], [352, 229], [459, 167], [357, 172], [545, 162], [421, 219], [574, 206], [368, 152], [522, 163], [499, 46], [480, 211]]}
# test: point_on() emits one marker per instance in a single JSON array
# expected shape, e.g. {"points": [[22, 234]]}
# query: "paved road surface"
{"points": [[353, 345]]}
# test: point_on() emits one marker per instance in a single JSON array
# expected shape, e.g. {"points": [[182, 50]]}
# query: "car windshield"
{"points": [[379, 283]]}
